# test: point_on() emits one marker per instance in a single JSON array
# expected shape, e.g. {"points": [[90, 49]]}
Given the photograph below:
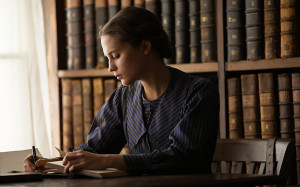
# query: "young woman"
{"points": [[168, 118]]}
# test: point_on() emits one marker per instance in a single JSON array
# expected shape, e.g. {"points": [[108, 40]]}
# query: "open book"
{"points": [[58, 167]]}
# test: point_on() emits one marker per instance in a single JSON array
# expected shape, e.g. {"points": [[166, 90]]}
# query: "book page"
{"points": [[13, 160], [106, 173]]}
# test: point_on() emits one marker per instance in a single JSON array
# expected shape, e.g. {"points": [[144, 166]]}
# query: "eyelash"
{"points": [[116, 57]]}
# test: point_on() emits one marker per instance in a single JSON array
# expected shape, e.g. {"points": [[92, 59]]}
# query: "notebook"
{"points": [[58, 167]]}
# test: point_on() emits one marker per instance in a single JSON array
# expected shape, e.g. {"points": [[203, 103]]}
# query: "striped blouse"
{"points": [[180, 137]]}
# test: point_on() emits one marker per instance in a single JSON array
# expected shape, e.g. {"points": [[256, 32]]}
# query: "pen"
{"points": [[34, 154]]}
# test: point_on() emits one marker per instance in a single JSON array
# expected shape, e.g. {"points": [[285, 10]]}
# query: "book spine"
{"points": [[268, 105], [87, 96], [101, 12], [235, 30], [113, 8], [181, 31], [271, 29], [207, 31], [285, 105], [296, 106], [250, 106], [126, 3], [77, 111], [98, 94], [139, 3], [254, 29], [194, 29], [89, 33], [109, 88], [153, 6], [167, 16], [298, 28], [234, 108], [75, 38], [288, 28], [67, 128]]}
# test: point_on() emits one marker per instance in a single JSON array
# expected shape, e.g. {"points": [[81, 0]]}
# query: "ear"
{"points": [[145, 47]]}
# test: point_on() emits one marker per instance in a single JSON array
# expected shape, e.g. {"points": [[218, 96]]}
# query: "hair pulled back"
{"points": [[134, 25]]}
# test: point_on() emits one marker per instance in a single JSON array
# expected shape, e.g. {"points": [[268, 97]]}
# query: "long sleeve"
{"points": [[106, 134], [191, 142]]}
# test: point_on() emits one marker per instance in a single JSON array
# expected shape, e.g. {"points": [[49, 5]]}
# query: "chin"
{"points": [[127, 83]]}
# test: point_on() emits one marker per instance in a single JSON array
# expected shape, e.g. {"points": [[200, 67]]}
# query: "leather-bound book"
{"points": [[235, 28], [167, 16], [182, 32], [298, 28], [234, 108], [268, 105], [109, 88], [113, 8], [89, 33], [296, 104], [272, 28], [254, 29], [207, 31], [250, 103], [194, 28], [87, 101], [77, 111], [126, 3], [288, 28], [101, 12], [67, 128], [285, 105], [75, 37], [153, 6], [98, 94], [139, 3]]}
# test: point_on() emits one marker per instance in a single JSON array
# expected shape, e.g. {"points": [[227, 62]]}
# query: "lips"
{"points": [[118, 76]]}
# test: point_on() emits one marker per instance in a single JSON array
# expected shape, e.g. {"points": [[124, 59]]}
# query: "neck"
{"points": [[156, 81]]}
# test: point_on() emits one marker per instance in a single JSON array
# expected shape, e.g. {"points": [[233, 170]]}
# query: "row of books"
{"points": [[190, 25], [265, 105], [262, 29], [81, 101]]}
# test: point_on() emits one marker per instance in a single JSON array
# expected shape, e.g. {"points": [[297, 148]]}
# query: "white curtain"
{"points": [[24, 94]]}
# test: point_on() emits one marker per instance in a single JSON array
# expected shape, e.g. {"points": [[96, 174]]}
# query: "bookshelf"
{"points": [[222, 69], [57, 69]]}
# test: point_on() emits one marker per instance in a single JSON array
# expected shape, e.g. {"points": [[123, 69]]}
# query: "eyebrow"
{"points": [[112, 52]]}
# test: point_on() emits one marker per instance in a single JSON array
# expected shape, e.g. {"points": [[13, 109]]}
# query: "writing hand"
{"points": [[39, 165]]}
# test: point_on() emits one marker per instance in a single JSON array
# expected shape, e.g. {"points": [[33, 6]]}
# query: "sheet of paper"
{"points": [[13, 160]]}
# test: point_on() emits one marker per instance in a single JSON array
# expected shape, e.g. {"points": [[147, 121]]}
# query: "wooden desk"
{"points": [[162, 180]]}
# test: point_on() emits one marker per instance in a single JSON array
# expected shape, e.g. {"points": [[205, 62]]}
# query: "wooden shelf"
{"points": [[197, 67], [189, 68], [247, 65]]}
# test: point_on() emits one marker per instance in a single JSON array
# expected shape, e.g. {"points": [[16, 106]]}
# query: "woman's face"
{"points": [[125, 61]]}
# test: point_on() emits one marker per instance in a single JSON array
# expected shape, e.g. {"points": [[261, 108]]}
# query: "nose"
{"points": [[111, 66]]}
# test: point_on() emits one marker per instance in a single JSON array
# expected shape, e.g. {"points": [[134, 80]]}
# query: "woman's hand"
{"points": [[79, 160], [39, 165]]}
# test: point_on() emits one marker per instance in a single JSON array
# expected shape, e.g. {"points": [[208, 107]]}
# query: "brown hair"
{"points": [[134, 25]]}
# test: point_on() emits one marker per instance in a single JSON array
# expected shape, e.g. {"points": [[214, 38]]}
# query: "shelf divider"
{"points": [[188, 68]]}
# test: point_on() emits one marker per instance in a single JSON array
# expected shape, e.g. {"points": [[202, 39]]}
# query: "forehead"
{"points": [[109, 43]]}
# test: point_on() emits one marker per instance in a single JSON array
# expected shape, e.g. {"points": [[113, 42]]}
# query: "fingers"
{"points": [[72, 156], [39, 165], [28, 164], [73, 166]]}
